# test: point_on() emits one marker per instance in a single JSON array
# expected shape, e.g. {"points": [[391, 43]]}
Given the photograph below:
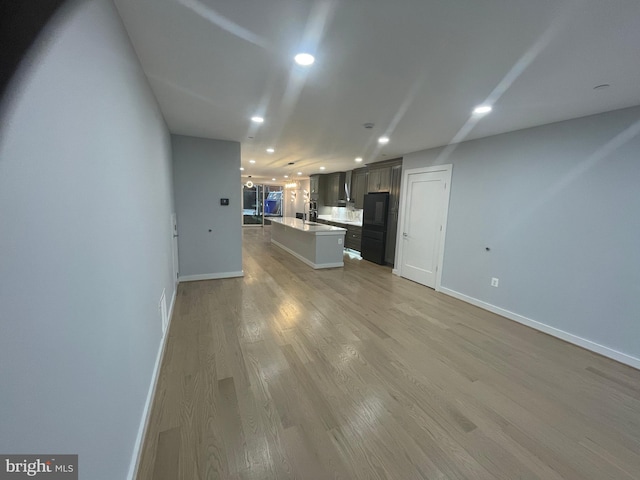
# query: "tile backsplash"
{"points": [[346, 213]]}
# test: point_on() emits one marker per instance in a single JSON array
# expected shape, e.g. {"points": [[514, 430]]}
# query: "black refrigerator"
{"points": [[374, 227]]}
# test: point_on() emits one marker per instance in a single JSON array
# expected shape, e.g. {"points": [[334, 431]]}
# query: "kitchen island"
{"points": [[317, 245]]}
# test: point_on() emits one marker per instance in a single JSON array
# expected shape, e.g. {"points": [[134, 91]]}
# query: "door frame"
{"points": [[447, 169]]}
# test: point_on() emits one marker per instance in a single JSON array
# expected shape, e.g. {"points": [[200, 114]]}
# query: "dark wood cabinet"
{"points": [[353, 237], [379, 179], [318, 189], [335, 192], [358, 187], [314, 184]]}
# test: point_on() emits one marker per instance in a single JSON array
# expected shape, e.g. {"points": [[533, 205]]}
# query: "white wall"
{"points": [[204, 172], [559, 207], [293, 207], [85, 206]]}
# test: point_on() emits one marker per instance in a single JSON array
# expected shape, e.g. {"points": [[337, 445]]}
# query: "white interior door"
{"points": [[174, 246], [425, 204]]}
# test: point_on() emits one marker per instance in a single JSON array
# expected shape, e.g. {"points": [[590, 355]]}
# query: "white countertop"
{"points": [[328, 218], [310, 227]]}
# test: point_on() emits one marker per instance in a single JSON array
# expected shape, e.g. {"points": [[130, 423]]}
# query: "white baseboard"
{"points": [[317, 266], [395, 271], [211, 276], [173, 304], [555, 332], [146, 414]]}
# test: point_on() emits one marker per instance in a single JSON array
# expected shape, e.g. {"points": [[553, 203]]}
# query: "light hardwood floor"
{"points": [[356, 373]]}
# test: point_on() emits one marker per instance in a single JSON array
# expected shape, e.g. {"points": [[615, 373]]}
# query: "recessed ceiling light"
{"points": [[286, 176], [257, 119], [304, 59], [252, 161], [482, 109], [242, 169], [299, 173], [383, 140], [359, 159], [321, 168], [273, 179], [270, 150]]}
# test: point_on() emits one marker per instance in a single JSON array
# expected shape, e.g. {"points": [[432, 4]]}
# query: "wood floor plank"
{"points": [[305, 463], [211, 435], [167, 457], [232, 426], [355, 373], [321, 405]]}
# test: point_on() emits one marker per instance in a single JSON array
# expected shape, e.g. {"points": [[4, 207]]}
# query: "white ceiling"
{"points": [[415, 68]]}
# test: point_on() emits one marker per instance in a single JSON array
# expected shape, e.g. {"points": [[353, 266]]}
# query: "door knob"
{"points": [[404, 234]]}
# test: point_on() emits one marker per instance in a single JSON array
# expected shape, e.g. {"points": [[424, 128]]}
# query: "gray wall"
{"points": [[204, 172], [559, 206], [85, 245]]}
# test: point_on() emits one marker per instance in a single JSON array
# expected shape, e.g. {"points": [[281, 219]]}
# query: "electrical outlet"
{"points": [[494, 282]]}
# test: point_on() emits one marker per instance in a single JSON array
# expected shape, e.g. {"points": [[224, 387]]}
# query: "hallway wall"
{"points": [[85, 249], [204, 172]]}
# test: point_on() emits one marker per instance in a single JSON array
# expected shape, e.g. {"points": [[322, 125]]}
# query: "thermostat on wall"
{"points": [[224, 201]]}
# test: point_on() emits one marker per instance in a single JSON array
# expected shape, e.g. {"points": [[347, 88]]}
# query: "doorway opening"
{"points": [[260, 203]]}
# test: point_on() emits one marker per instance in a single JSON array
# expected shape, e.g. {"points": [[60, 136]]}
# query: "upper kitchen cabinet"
{"points": [[318, 188], [379, 179], [358, 187], [335, 192], [314, 184]]}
